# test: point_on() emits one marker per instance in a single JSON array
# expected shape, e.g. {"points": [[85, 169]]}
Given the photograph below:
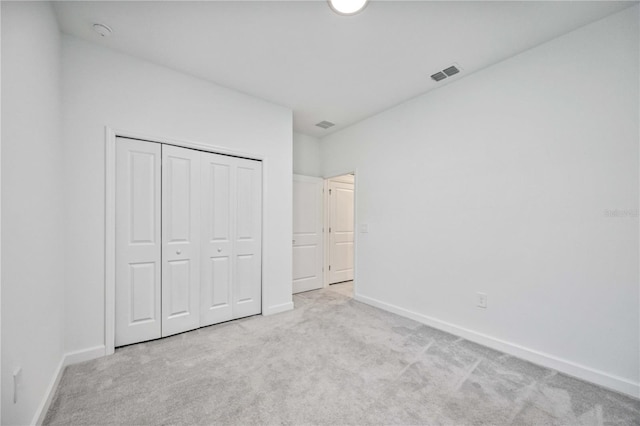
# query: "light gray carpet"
{"points": [[345, 288], [332, 360]]}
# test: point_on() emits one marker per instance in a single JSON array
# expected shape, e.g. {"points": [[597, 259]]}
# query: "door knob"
{"points": [[178, 251], [294, 241], [219, 249]]}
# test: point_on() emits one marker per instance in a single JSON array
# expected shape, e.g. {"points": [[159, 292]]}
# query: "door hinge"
{"points": [[329, 192], [329, 267], [329, 229]]}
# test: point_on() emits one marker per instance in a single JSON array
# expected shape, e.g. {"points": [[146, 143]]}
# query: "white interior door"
{"points": [[138, 244], [247, 237], [307, 233], [341, 223], [217, 248], [180, 239]]}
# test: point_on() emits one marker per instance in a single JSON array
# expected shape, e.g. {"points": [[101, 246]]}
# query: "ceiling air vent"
{"points": [[447, 72], [439, 76], [452, 70], [325, 124]]}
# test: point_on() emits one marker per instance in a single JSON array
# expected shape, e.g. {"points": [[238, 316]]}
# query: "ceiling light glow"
{"points": [[347, 7]]}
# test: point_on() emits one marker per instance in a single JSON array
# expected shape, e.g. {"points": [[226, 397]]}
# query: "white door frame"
{"points": [[355, 228], [110, 214]]}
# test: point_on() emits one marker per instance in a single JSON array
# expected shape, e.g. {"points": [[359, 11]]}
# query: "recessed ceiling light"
{"points": [[102, 29], [347, 7]]}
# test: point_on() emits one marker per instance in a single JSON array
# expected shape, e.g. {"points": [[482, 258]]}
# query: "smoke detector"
{"points": [[102, 29]]}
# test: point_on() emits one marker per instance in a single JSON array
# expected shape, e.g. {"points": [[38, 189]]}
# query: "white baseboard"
{"points": [[276, 309], [570, 368], [84, 355], [67, 359], [41, 412]]}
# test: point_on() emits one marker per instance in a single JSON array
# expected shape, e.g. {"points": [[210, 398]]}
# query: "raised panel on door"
{"points": [[307, 233], [138, 245], [143, 293], [217, 255], [181, 240], [341, 222], [247, 237]]}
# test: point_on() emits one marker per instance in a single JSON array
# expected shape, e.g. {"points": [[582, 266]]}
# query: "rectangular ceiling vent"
{"points": [[439, 76], [447, 72], [452, 70], [325, 124]]}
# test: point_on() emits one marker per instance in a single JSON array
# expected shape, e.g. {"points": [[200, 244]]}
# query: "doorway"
{"points": [[324, 234], [340, 235]]}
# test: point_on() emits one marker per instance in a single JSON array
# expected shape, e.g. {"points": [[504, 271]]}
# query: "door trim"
{"points": [[110, 214], [356, 231]]}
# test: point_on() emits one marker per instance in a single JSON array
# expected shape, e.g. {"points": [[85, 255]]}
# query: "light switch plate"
{"points": [[481, 300]]}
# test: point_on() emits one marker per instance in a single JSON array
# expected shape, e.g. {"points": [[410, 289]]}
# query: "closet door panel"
{"points": [[247, 297], [217, 216], [138, 245], [181, 240]]}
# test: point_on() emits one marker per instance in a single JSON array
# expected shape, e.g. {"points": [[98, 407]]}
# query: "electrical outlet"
{"points": [[17, 377], [481, 300]]}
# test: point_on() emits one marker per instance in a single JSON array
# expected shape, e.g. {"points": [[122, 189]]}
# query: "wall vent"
{"points": [[325, 124], [447, 72]]}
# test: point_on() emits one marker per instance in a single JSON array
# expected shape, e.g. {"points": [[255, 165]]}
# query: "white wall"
{"points": [[499, 183], [306, 155], [102, 87], [32, 203]]}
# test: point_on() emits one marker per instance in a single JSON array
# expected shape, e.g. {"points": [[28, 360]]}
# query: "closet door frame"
{"points": [[110, 216]]}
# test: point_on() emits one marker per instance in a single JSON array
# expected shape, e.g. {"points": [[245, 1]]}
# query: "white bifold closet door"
{"points": [[138, 242], [231, 284], [188, 239], [180, 239]]}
